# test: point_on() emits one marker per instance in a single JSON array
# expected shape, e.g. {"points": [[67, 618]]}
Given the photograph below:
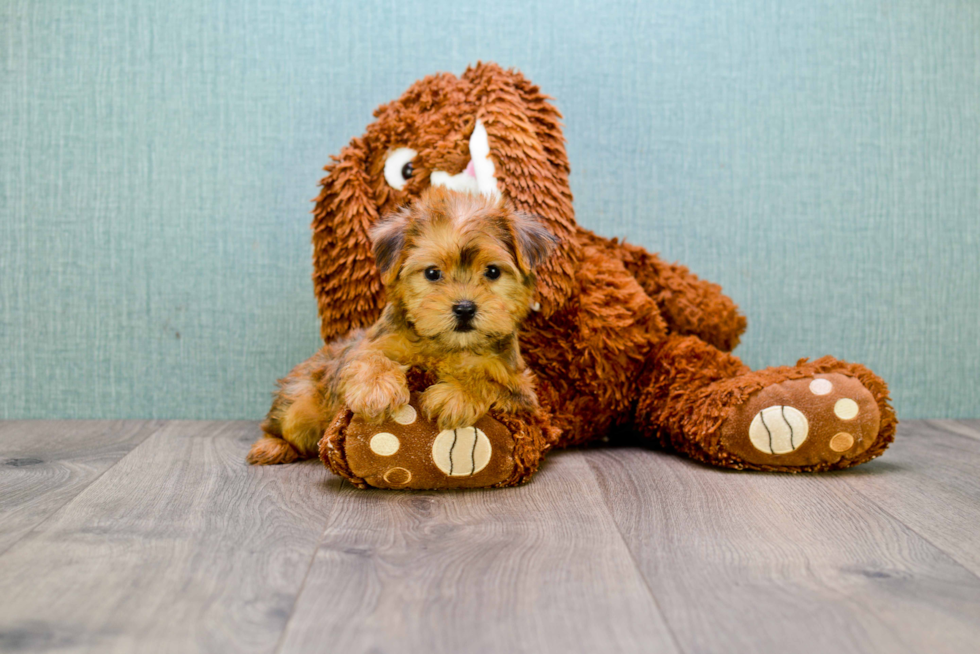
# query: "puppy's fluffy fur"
{"points": [[459, 278]]}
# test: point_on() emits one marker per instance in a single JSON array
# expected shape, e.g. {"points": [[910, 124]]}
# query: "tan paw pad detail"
{"points": [[846, 408], [778, 429], [461, 452], [841, 442], [384, 444], [398, 476], [405, 415], [821, 386]]}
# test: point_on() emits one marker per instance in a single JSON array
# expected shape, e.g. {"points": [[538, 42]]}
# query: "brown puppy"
{"points": [[458, 271]]}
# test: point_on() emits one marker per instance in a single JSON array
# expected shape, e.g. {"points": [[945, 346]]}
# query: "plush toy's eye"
{"points": [[399, 167], [433, 274], [492, 272]]}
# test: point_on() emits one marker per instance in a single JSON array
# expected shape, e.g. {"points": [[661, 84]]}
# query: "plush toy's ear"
{"points": [[348, 290], [526, 142], [533, 242], [388, 237]]}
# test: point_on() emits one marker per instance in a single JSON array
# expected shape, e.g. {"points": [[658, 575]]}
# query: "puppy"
{"points": [[458, 271]]}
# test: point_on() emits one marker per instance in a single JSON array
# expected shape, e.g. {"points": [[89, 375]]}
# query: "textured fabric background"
{"points": [[820, 160]]}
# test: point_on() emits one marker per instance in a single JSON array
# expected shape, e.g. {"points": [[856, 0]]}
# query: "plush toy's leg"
{"points": [[820, 415], [689, 305], [408, 451]]}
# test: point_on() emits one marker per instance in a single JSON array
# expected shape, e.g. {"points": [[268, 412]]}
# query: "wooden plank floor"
{"points": [[155, 536]]}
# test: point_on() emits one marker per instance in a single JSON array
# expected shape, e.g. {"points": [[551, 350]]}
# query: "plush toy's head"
{"points": [[458, 267], [489, 131]]}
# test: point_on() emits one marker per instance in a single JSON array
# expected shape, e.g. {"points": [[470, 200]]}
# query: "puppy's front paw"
{"points": [[381, 396], [516, 402], [517, 396], [451, 408]]}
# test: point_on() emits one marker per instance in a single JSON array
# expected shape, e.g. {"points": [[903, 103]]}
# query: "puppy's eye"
{"points": [[433, 274], [492, 272], [399, 167]]}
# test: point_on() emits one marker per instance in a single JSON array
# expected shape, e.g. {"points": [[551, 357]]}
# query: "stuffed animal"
{"points": [[620, 341]]}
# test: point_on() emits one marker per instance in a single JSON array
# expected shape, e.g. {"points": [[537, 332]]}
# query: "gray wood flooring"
{"points": [[156, 537]]}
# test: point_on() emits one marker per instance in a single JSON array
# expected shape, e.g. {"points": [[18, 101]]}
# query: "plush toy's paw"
{"points": [[409, 451], [800, 423]]}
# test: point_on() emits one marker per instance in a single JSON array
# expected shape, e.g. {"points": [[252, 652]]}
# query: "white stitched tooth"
{"points": [[460, 182], [481, 179], [482, 164]]}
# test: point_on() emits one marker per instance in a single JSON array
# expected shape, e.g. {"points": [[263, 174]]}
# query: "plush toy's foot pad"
{"points": [[408, 451], [804, 422]]}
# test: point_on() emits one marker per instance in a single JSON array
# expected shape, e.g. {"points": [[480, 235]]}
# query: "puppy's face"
{"points": [[460, 267]]}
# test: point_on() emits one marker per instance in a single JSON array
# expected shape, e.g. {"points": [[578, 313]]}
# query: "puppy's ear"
{"points": [[388, 238], [533, 241]]}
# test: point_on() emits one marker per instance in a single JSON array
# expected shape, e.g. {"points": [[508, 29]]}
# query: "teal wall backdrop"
{"points": [[820, 160]]}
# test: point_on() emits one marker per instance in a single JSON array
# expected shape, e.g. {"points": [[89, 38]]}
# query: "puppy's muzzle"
{"points": [[464, 312]]}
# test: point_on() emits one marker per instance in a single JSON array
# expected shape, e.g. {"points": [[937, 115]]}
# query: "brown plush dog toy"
{"points": [[620, 341]]}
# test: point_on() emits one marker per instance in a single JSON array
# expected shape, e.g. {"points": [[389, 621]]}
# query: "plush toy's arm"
{"points": [[689, 305], [409, 451]]}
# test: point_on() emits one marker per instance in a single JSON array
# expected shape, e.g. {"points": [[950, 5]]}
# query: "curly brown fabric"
{"points": [[623, 341]]}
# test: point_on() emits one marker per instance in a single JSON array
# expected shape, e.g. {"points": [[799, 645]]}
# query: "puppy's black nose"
{"points": [[464, 311]]}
